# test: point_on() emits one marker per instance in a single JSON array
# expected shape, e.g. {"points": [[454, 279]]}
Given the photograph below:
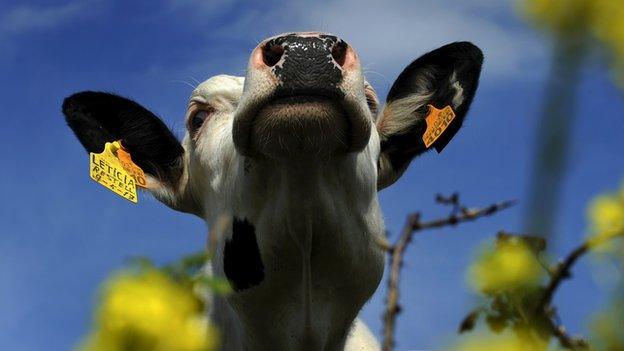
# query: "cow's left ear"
{"points": [[447, 76], [97, 118]]}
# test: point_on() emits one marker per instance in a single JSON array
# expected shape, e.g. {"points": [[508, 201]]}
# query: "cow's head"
{"points": [[295, 152], [304, 98]]}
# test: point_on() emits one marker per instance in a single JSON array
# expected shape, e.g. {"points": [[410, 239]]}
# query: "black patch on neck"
{"points": [[241, 259]]}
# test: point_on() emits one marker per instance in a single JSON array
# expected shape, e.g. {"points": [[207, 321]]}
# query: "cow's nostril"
{"points": [[271, 54], [339, 52]]}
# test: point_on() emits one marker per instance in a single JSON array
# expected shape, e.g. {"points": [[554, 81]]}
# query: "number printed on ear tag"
{"points": [[437, 122], [107, 169]]}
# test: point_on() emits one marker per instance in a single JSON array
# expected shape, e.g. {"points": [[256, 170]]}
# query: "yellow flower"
{"points": [[567, 17], [607, 24], [603, 19], [506, 341], [507, 267], [606, 328], [149, 311], [606, 219], [606, 214]]}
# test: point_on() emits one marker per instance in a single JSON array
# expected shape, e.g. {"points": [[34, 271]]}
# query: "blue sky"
{"points": [[62, 233]]}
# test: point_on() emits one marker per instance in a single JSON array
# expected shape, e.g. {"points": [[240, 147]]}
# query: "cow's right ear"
{"points": [[97, 118], [445, 77]]}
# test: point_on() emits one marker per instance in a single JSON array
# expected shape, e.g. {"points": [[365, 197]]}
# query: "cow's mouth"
{"points": [[299, 99], [296, 124], [296, 108], [299, 126]]}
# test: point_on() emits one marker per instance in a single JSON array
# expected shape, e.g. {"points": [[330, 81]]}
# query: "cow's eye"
{"points": [[198, 119]]}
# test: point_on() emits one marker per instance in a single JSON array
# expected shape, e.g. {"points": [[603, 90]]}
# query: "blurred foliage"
{"points": [[504, 341], [608, 328], [606, 220], [516, 283], [602, 20], [510, 278], [147, 308], [578, 29], [563, 18], [508, 267]]}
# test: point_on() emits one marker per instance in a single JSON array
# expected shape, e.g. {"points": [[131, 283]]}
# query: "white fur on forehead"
{"points": [[230, 87]]}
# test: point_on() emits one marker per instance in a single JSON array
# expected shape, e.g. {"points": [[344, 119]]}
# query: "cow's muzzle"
{"points": [[296, 101]]}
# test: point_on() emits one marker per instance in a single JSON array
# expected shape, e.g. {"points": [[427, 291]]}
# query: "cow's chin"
{"points": [[300, 128]]}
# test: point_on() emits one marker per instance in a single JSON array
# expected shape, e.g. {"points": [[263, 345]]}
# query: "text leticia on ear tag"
{"points": [[106, 169], [437, 122]]}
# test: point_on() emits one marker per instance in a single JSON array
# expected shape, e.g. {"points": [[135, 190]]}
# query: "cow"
{"points": [[294, 153]]}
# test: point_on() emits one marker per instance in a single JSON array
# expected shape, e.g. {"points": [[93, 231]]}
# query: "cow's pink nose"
{"points": [[309, 50], [272, 53]]}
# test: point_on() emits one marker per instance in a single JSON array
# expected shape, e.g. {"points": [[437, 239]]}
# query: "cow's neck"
{"points": [[314, 223]]}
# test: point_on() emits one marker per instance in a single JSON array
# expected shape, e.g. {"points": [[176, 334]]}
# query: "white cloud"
{"points": [[388, 35], [393, 34], [25, 18]]}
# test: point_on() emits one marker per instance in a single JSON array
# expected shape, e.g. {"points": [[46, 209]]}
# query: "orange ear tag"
{"points": [[114, 169], [437, 122], [135, 171]]}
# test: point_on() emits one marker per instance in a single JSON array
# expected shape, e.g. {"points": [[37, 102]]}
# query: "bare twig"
{"points": [[470, 320], [467, 215], [396, 261], [396, 251], [561, 272], [565, 340], [448, 200]]}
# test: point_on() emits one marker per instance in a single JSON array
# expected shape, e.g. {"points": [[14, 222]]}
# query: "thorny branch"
{"points": [[560, 273], [563, 270], [413, 224], [566, 340]]}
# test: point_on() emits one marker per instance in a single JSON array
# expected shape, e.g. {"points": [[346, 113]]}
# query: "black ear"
{"points": [[447, 76], [97, 118]]}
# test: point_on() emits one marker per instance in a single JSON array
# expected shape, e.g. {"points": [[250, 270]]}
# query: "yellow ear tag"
{"points": [[107, 169], [437, 122]]}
